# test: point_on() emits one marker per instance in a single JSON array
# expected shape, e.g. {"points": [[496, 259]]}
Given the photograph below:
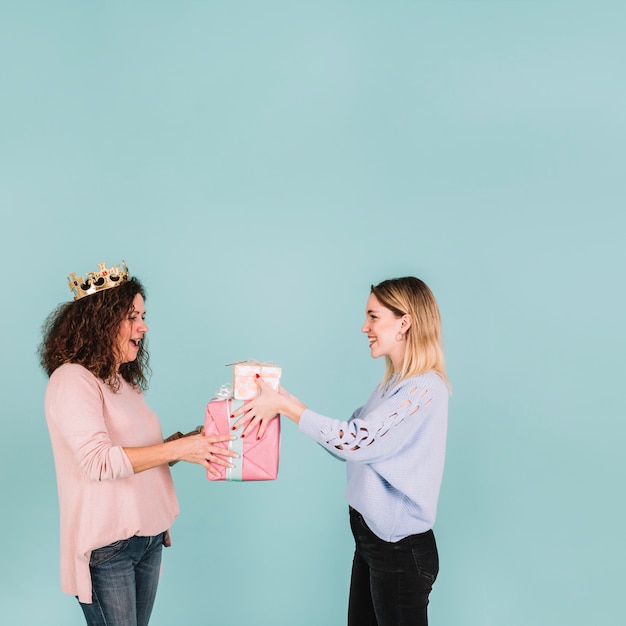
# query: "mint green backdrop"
{"points": [[259, 165]]}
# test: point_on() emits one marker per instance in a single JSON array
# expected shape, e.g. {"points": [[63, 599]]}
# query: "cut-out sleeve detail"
{"points": [[356, 435], [372, 434]]}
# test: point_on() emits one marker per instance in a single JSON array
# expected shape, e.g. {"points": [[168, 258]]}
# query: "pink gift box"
{"points": [[258, 458], [244, 378]]}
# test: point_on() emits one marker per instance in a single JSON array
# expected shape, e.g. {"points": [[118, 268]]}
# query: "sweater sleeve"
{"points": [[75, 408], [332, 451], [374, 435]]}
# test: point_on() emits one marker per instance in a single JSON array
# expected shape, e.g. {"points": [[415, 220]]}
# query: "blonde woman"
{"points": [[394, 449]]}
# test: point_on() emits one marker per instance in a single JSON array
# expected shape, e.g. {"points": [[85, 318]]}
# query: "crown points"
{"points": [[106, 278]]}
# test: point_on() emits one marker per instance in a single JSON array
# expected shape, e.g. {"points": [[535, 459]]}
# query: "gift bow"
{"points": [[225, 392]]}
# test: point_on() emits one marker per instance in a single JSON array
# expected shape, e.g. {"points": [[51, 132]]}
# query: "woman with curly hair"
{"points": [[116, 495], [394, 449]]}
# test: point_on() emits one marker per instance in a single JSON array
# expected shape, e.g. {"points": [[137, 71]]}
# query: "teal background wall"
{"points": [[259, 165]]}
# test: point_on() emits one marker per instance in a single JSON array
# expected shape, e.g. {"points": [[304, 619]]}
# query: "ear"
{"points": [[405, 324]]}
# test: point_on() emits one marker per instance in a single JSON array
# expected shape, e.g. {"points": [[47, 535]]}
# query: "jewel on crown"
{"points": [[106, 278]]}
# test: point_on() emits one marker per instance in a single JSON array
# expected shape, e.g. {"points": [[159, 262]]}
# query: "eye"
{"points": [[134, 316]]}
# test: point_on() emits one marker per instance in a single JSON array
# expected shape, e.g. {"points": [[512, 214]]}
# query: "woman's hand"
{"points": [[267, 406], [202, 450], [191, 448]]}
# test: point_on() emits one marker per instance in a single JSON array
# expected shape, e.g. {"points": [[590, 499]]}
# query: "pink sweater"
{"points": [[101, 500]]}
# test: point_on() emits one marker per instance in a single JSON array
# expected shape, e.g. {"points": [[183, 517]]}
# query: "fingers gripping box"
{"points": [[244, 378], [257, 458]]}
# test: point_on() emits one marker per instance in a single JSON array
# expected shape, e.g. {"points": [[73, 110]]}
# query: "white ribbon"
{"points": [[235, 473]]}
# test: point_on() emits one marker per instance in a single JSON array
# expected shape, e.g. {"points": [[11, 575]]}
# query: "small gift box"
{"points": [[244, 378], [257, 458]]}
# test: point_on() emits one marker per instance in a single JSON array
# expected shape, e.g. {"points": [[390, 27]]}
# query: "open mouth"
{"points": [[136, 343]]}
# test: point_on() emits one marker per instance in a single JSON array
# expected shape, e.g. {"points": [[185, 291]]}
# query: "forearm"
{"points": [[201, 449], [292, 408], [147, 457]]}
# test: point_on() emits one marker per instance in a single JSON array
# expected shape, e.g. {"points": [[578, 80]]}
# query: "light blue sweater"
{"points": [[394, 448]]}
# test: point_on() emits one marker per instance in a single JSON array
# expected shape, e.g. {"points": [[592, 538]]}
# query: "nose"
{"points": [[365, 328], [143, 328]]}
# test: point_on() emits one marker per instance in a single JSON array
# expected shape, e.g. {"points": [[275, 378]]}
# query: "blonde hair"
{"points": [[424, 352]]}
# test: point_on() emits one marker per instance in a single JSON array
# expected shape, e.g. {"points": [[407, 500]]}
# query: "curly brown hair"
{"points": [[86, 331]]}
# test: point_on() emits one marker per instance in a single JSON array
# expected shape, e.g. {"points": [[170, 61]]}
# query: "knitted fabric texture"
{"points": [[394, 448]]}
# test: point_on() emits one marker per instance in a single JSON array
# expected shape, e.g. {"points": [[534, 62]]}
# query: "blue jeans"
{"points": [[390, 582], [124, 578]]}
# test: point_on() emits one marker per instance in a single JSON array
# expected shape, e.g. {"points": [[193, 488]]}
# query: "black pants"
{"points": [[390, 581]]}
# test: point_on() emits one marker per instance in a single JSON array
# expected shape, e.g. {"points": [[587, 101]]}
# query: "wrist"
{"points": [[293, 409], [174, 450]]}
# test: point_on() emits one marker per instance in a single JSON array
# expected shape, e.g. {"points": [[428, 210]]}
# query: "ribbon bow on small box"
{"points": [[244, 378]]}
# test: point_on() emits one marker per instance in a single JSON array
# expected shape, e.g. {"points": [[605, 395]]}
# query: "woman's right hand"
{"points": [[266, 406]]}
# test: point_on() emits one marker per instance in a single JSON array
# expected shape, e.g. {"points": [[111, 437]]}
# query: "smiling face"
{"points": [[132, 330], [385, 332]]}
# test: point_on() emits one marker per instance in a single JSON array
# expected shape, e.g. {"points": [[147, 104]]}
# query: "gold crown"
{"points": [[106, 278]]}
